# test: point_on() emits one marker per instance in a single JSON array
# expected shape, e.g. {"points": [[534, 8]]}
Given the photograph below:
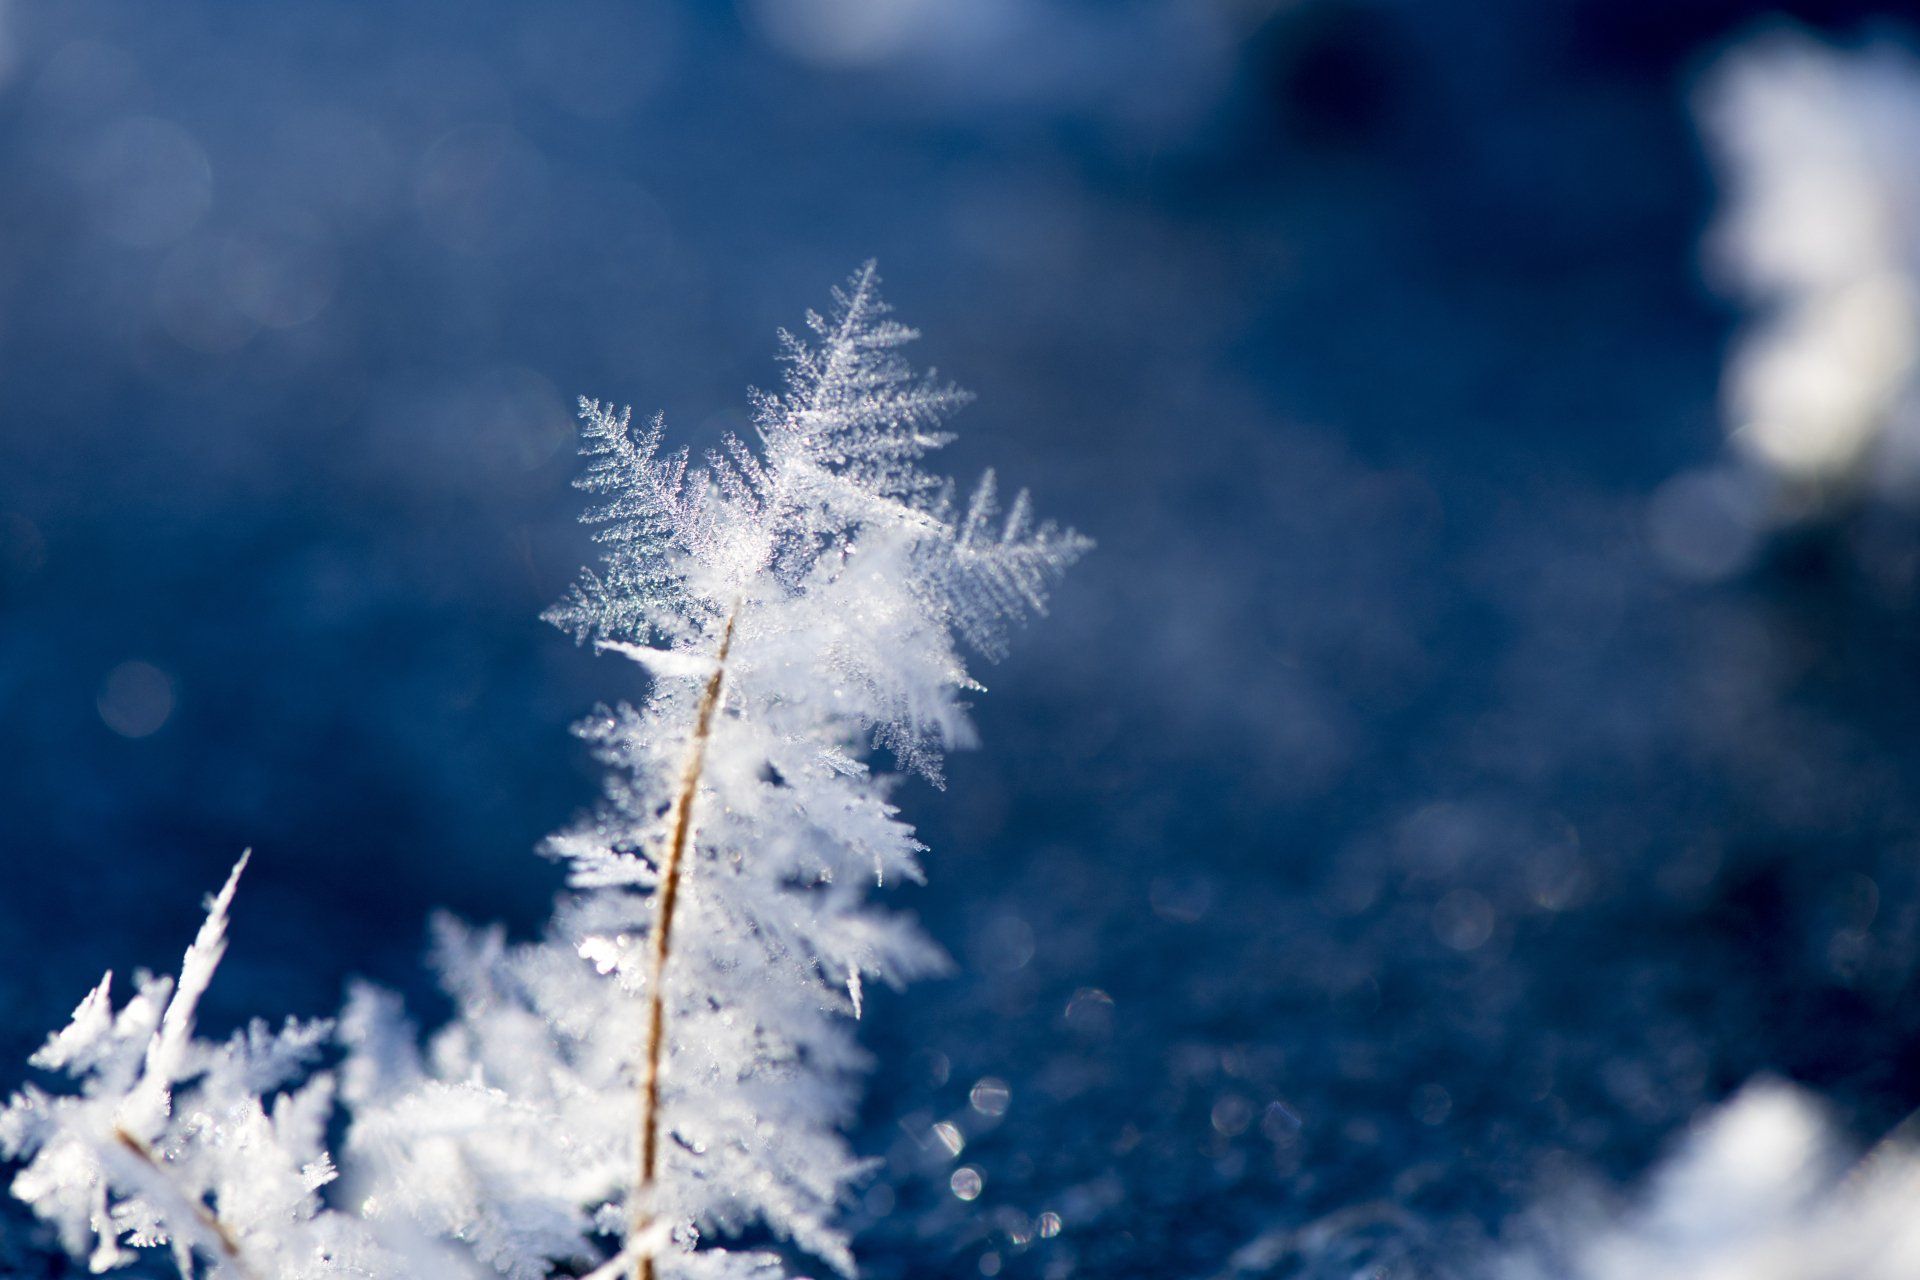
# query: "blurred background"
{"points": [[1483, 739]]}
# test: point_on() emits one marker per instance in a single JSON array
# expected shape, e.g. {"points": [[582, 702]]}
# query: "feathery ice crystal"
{"points": [[674, 1056], [672, 1063], [171, 1140]]}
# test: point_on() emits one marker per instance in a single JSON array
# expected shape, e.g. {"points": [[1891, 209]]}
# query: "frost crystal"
{"points": [[673, 1063], [173, 1141]]}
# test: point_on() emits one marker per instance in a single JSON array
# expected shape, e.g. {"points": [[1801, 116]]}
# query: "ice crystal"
{"points": [[603, 1099], [796, 605], [169, 1140]]}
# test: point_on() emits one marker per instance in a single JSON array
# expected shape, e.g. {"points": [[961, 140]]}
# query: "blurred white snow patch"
{"points": [[1758, 1162], [1760, 1190], [1819, 152], [1812, 391]]}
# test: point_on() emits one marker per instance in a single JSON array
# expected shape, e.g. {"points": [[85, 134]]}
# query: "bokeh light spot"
{"points": [[990, 1096], [1463, 920], [135, 699], [148, 181]]}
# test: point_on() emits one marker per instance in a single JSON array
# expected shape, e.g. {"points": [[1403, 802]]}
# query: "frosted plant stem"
{"points": [[665, 900], [215, 1229]]}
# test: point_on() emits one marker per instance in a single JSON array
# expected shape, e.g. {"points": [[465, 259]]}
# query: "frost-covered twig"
{"points": [[664, 902], [186, 1208], [798, 607], [671, 1064], [169, 1140]]}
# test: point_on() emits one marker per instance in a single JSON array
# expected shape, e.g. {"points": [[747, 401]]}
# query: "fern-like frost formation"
{"points": [[672, 1065]]}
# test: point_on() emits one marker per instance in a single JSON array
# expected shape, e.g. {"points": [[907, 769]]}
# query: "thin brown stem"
{"points": [[665, 899], [209, 1223]]}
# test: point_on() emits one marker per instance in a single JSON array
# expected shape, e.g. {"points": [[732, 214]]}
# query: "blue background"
{"points": [[1377, 838]]}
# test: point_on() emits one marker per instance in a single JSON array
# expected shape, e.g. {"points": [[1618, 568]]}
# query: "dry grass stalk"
{"points": [[203, 1215], [666, 898]]}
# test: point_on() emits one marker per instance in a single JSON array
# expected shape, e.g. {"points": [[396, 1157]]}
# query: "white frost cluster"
{"points": [[173, 1141], [1820, 153], [812, 589], [1760, 1191], [797, 605]]}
